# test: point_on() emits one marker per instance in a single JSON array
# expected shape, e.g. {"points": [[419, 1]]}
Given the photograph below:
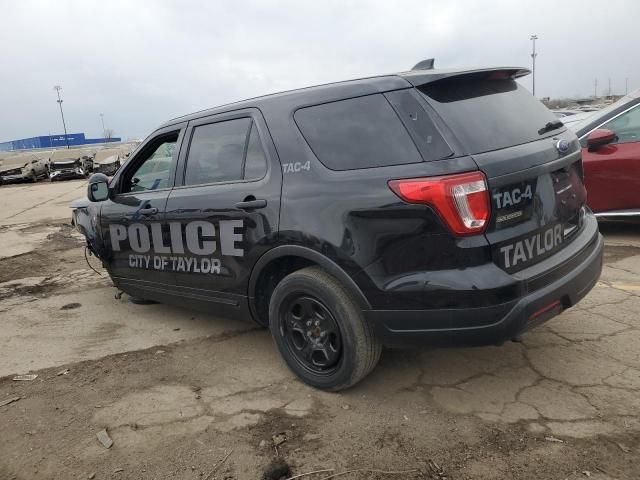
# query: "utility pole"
{"points": [[103, 129], [595, 88], [57, 88], [609, 94], [533, 38]]}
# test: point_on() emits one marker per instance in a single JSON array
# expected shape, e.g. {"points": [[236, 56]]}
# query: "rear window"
{"points": [[357, 133], [489, 114]]}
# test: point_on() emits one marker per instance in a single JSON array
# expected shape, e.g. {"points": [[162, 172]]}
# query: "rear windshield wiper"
{"points": [[550, 126]]}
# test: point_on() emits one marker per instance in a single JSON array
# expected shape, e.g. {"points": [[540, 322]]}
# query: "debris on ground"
{"points": [[623, 447], [8, 401], [104, 438], [436, 471], [92, 476], [374, 470], [309, 437], [553, 439], [63, 372], [158, 352], [279, 439], [586, 473], [276, 470], [118, 470], [217, 467], [25, 378], [263, 444], [71, 306], [306, 474]]}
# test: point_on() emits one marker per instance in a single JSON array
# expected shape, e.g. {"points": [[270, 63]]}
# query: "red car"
{"points": [[610, 142]]}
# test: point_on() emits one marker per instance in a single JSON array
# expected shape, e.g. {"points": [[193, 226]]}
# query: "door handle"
{"points": [[148, 211], [251, 204]]}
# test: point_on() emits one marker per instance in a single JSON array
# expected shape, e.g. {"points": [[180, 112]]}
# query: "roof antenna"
{"points": [[424, 64]]}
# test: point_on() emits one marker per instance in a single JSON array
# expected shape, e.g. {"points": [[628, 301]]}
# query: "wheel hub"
{"points": [[311, 333]]}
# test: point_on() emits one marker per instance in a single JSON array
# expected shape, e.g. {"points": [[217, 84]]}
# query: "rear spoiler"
{"points": [[418, 77]]}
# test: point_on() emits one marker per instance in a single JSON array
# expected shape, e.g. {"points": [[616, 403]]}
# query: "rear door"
{"points": [[532, 163], [132, 219], [612, 172], [227, 202]]}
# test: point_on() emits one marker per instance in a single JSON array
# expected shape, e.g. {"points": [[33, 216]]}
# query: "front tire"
{"points": [[320, 330]]}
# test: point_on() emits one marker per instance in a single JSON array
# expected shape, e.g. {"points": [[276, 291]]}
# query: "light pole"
{"points": [[57, 88], [104, 132], [533, 38]]}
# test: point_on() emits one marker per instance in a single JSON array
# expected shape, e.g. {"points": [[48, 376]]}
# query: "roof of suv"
{"points": [[357, 87]]}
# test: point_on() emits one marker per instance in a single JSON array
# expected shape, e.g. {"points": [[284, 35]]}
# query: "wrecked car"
{"points": [[430, 206], [24, 167], [107, 161], [69, 163]]}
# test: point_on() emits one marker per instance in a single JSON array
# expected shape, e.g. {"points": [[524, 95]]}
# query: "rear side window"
{"points": [[357, 133], [489, 113], [225, 152], [255, 165]]}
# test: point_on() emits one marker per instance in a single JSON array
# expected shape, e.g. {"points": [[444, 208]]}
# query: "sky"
{"points": [[142, 62]]}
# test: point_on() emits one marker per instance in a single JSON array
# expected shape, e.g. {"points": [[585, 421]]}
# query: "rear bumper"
{"points": [[547, 288]]}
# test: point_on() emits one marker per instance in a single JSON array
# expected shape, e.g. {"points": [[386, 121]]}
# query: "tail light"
{"points": [[461, 200]]}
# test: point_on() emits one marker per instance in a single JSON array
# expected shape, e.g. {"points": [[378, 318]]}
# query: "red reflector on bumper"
{"points": [[547, 309]]}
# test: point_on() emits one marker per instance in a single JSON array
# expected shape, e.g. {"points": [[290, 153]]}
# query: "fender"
{"points": [[308, 254], [84, 217]]}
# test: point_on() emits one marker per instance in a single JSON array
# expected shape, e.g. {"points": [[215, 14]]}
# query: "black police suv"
{"points": [[431, 206]]}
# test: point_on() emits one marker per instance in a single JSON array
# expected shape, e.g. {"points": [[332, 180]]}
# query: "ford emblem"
{"points": [[562, 146]]}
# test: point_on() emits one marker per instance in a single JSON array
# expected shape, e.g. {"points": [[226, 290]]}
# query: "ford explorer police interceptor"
{"points": [[430, 206]]}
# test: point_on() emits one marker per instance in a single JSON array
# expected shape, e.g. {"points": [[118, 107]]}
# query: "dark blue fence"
{"points": [[53, 141]]}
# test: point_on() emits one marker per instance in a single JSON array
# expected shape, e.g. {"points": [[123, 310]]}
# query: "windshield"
{"points": [[509, 114], [576, 122], [65, 154], [104, 154], [595, 117]]}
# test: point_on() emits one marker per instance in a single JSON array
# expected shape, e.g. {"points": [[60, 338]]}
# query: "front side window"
{"points": [[626, 126], [154, 171], [226, 151]]}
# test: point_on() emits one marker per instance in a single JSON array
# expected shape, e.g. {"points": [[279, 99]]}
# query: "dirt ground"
{"points": [[190, 396]]}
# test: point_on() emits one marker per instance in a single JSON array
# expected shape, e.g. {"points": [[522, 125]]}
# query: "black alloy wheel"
{"points": [[311, 333], [320, 330]]}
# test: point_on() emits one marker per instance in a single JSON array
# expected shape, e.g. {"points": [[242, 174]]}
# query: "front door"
{"points": [[227, 203], [132, 219], [612, 172]]}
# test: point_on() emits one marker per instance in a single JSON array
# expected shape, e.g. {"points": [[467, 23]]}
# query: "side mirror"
{"points": [[98, 188], [599, 138]]}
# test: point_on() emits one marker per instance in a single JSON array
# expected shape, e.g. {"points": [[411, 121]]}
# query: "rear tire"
{"points": [[320, 331]]}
